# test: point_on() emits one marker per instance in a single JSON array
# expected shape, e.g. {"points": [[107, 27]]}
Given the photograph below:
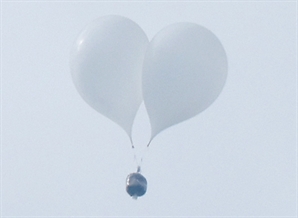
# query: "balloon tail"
{"points": [[131, 142], [149, 142]]}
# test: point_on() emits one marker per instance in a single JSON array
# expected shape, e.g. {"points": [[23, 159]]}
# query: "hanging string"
{"points": [[141, 154]]}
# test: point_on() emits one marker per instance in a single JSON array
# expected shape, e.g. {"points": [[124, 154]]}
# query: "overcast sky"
{"points": [[62, 158]]}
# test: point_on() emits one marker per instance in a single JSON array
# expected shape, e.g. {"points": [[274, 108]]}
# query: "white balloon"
{"points": [[106, 67], [184, 71]]}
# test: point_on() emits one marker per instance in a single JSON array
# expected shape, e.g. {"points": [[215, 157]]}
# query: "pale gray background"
{"points": [[237, 158]]}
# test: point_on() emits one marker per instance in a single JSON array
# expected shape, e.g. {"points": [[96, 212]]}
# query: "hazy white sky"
{"points": [[62, 158]]}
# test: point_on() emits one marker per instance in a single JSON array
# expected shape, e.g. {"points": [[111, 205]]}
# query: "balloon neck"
{"points": [[149, 142], [139, 169], [131, 142]]}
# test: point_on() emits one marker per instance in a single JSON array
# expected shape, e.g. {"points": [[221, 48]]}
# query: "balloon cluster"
{"points": [[178, 74]]}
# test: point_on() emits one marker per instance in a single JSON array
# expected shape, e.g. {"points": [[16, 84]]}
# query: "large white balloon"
{"points": [[184, 71], [106, 67]]}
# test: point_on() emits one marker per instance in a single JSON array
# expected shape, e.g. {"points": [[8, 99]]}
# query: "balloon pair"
{"points": [[178, 74]]}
